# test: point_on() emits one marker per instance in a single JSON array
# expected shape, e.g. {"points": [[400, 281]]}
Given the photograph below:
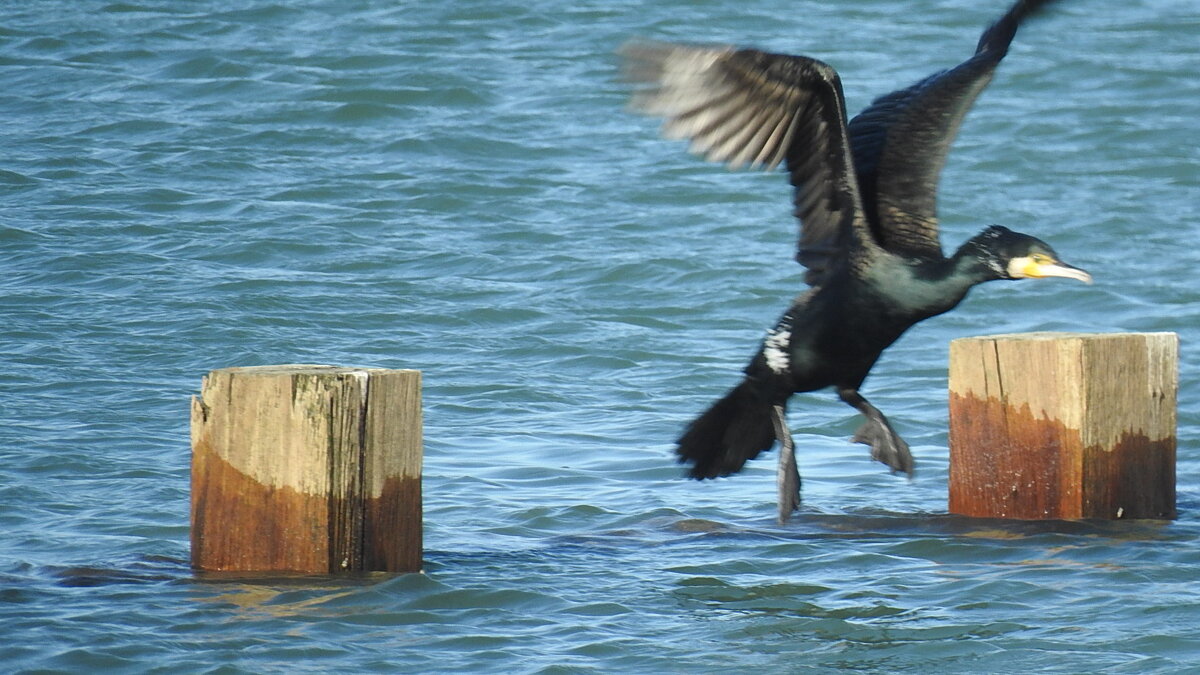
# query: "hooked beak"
{"points": [[1038, 267]]}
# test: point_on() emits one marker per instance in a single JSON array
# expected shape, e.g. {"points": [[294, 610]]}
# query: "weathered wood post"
{"points": [[312, 469], [1063, 425]]}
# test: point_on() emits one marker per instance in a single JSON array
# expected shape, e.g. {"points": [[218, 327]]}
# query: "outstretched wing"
{"points": [[745, 107], [900, 141]]}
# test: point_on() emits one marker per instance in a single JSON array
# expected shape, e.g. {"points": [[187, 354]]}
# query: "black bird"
{"points": [[865, 194]]}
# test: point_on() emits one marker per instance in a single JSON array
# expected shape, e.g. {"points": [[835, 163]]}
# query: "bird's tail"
{"points": [[735, 429]]}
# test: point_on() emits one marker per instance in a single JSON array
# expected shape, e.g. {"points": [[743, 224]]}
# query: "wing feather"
{"points": [[901, 140], [748, 108]]}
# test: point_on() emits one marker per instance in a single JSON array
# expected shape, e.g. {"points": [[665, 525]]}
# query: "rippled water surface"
{"points": [[456, 187]]}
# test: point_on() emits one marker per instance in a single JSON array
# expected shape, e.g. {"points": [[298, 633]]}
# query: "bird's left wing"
{"points": [[748, 108]]}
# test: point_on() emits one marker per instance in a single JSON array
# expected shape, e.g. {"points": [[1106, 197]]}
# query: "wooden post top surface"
{"points": [[1059, 335], [305, 369]]}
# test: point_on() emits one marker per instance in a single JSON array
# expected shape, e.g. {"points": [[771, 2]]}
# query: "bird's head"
{"points": [[1012, 255]]}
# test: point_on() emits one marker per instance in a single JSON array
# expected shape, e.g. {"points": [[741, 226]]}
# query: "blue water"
{"points": [[455, 187]]}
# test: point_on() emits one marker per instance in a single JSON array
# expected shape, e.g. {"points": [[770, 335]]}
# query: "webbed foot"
{"points": [[787, 476], [886, 445], [877, 432]]}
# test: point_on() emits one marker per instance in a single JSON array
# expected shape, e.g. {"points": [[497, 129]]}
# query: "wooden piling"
{"points": [[310, 469], [1063, 425]]}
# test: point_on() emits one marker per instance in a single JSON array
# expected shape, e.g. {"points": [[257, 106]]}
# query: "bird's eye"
{"points": [[1041, 259]]}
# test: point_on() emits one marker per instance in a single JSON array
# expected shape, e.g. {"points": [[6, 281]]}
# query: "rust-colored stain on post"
{"points": [[310, 469], [1063, 425]]}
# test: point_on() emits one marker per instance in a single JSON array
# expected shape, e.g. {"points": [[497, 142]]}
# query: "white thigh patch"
{"points": [[775, 349]]}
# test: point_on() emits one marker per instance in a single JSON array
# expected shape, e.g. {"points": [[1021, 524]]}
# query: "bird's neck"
{"points": [[938, 285], [973, 263]]}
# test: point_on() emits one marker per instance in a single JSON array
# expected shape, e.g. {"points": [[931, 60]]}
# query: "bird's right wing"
{"points": [[901, 140], [744, 107]]}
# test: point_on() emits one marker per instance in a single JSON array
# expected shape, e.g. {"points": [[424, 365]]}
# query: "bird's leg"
{"points": [[886, 444], [787, 477]]}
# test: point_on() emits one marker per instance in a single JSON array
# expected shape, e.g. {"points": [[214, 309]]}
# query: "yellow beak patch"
{"points": [[1038, 266]]}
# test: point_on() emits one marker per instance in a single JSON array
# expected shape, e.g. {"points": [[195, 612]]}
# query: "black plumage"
{"points": [[866, 197]]}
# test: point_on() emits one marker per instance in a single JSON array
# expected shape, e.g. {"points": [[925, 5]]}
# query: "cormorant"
{"points": [[865, 195]]}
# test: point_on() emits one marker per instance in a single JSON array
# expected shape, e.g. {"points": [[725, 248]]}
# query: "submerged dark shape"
{"points": [[866, 197]]}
